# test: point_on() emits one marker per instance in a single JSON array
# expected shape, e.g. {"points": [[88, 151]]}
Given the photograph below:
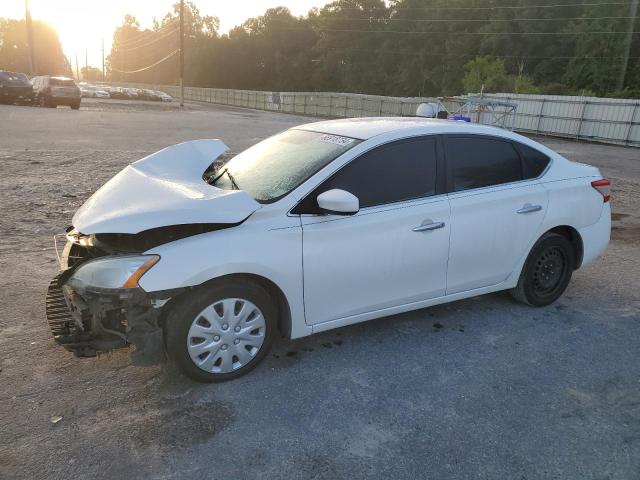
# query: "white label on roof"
{"points": [[337, 140]]}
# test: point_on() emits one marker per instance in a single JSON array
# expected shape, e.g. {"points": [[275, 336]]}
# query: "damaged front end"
{"points": [[95, 303]]}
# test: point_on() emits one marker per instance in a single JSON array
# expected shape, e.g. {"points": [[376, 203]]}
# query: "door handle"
{"points": [[530, 208], [428, 226]]}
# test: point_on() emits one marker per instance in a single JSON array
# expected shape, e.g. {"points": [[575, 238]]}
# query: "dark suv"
{"points": [[15, 88], [54, 91]]}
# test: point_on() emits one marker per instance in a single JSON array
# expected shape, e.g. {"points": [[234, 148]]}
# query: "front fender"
{"points": [[253, 248]]}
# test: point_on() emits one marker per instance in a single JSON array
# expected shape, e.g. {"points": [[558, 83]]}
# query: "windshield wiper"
{"points": [[234, 184]]}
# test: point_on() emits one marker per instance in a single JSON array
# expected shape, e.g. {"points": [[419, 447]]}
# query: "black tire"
{"points": [[47, 102], [75, 106], [185, 311], [547, 271]]}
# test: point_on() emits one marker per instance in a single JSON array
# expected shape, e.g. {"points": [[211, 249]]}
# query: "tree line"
{"points": [[405, 48], [14, 48], [401, 47]]}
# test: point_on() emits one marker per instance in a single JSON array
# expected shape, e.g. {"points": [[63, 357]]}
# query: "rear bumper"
{"points": [[595, 237], [65, 100]]}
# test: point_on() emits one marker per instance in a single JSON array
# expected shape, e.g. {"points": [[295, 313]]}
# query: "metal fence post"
{"points": [[627, 137], [584, 108], [540, 115]]}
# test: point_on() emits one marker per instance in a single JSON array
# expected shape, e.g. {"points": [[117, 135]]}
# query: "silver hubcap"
{"points": [[226, 335]]}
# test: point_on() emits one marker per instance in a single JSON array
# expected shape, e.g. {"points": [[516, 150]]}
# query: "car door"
{"points": [[394, 250], [495, 211]]}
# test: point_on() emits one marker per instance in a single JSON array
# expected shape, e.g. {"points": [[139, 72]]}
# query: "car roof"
{"points": [[365, 128]]}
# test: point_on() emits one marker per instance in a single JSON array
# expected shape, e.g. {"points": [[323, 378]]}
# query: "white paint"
{"points": [[165, 188], [337, 270]]}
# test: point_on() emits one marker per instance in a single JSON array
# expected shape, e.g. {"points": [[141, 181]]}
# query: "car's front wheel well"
{"points": [[574, 238], [279, 299]]}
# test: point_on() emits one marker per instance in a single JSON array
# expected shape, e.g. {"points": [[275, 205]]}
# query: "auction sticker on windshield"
{"points": [[337, 140]]}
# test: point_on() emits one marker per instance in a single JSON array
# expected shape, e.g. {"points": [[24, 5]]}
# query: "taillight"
{"points": [[604, 187]]}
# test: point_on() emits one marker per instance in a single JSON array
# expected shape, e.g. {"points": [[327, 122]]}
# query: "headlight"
{"points": [[113, 272], [83, 240]]}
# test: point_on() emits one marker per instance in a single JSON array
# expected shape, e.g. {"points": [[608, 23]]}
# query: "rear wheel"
{"points": [[75, 106], [221, 331], [547, 271], [47, 102]]}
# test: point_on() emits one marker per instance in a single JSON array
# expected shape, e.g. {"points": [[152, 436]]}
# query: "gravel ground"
{"points": [[482, 388]]}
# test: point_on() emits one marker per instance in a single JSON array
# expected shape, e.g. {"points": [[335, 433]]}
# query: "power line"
{"points": [[523, 57], [464, 33], [485, 20], [149, 66], [155, 40], [146, 34], [502, 7]]}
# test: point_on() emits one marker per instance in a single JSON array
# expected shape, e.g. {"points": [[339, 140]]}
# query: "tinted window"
{"points": [[391, 173], [63, 82], [534, 162], [481, 162], [11, 78]]}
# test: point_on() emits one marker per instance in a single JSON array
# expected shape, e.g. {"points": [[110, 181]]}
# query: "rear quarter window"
{"points": [[534, 161]]}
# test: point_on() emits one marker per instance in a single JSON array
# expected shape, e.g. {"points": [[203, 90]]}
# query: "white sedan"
{"points": [[321, 226]]}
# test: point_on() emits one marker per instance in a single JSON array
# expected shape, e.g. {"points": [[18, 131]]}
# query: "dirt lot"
{"points": [[483, 388]]}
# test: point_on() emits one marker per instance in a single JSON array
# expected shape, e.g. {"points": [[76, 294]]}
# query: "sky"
{"points": [[82, 24]]}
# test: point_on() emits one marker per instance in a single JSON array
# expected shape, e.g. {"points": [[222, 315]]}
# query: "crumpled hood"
{"points": [[165, 188]]}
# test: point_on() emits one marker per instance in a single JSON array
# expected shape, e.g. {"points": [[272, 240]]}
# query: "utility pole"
{"points": [[103, 76], [182, 53], [29, 25], [77, 69], [86, 63], [633, 12]]}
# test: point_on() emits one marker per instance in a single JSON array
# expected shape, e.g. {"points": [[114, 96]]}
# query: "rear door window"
{"points": [[476, 162]]}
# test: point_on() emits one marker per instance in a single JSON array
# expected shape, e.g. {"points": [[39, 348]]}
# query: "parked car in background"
{"points": [[321, 226], [133, 93], [92, 91], [119, 93], [15, 88], [164, 97], [53, 91], [149, 95]]}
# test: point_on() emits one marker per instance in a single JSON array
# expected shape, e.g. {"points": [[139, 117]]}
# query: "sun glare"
{"points": [[83, 25]]}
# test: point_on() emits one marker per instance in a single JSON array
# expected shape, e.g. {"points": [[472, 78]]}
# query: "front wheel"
{"points": [[75, 106], [221, 331], [547, 271]]}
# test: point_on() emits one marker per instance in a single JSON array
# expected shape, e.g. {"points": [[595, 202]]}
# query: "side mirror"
{"points": [[338, 202]]}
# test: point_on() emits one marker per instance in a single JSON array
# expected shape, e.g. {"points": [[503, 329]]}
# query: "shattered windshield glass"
{"points": [[277, 165]]}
